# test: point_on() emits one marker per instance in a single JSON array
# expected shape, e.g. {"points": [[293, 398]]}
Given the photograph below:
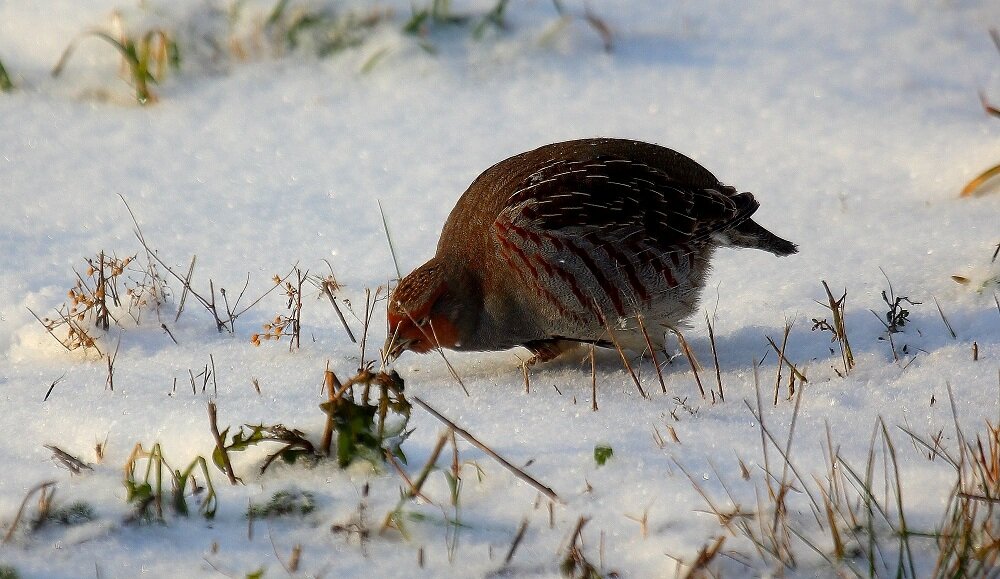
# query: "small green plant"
{"points": [[284, 503], [399, 517], [294, 27], [145, 58], [8, 572], [602, 453], [295, 445], [149, 492], [368, 414], [574, 564], [895, 317], [495, 18], [438, 13], [6, 84], [75, 513]]}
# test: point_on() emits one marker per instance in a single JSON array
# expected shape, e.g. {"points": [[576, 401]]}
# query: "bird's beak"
{"points": [[394, 346]]}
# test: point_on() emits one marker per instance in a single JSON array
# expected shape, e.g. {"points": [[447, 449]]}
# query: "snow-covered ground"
{"points": [[854, 123]]}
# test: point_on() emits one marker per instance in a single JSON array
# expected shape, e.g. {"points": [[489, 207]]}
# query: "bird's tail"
{"points": [[752, 235]]}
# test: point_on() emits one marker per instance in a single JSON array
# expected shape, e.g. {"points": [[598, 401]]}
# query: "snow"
{"points": [[855, 125]]}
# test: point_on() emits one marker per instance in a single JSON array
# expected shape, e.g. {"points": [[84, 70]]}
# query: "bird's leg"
{"points": [[542, 351], [547, 350]]}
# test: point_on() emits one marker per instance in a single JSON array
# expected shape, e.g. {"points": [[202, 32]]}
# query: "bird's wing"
{"points": [[609, 197]]}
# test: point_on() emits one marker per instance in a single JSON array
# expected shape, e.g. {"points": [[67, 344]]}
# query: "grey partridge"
{"points": [[603, 241]]}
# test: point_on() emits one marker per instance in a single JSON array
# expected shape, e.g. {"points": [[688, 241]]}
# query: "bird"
{"points": [[598, 241]]}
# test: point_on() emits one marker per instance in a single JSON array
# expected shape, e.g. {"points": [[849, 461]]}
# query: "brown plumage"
{"points": [[570, 243]]}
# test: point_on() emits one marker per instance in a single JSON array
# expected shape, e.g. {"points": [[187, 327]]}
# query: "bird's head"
{"points": [[431, 308]]}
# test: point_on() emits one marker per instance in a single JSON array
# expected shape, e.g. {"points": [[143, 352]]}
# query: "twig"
{"points": [[111, 365], [75, 465], [187, 285], [333, 301], [53, 385], [516, 542], [215, 384], [169, 333], [68, 349], [186, 282], [548, 492]]}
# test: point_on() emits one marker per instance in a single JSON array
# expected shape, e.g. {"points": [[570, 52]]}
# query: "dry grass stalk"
{"points": [[451, 369], [575, 565], [781, 358], [652, 352], [621, 352], [837, 308], [802, 377], [690, 358], [328, 285], [944, 319], [388, 238], [293, 560], [976, 185], [41, 487], [111, 358], [332, 385], [418, 483], [715, 357], [706, 555], [593, 379]]}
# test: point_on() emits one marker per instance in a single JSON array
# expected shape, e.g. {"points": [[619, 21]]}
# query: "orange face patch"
{"points": [[438, 331]]}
